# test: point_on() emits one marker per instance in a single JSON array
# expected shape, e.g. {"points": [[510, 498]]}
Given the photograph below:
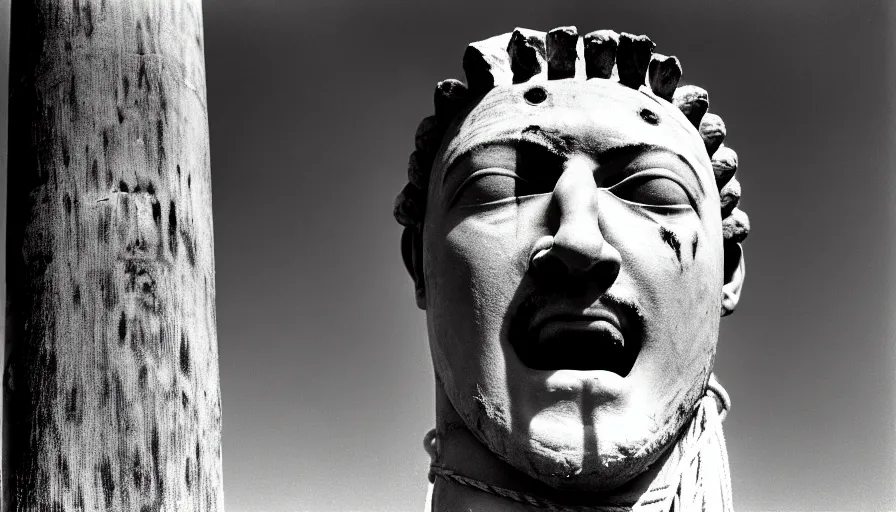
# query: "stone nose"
{"points": [[578, 248]]}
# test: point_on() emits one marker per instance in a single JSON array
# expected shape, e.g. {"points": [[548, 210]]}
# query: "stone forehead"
{"points": [[599, 113], [532, 57]]}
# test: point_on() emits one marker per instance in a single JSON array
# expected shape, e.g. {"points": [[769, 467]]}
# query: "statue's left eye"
{"points": [[487, 186], [651, 189]]}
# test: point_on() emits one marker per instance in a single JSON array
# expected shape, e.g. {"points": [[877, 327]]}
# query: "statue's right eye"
{"points": [[487, 186]]}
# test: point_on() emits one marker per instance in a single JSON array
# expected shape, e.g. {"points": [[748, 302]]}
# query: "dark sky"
{"points": [[325, 371]]}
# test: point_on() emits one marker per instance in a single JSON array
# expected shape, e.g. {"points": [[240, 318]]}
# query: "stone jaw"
{"points": [[531, 56]]}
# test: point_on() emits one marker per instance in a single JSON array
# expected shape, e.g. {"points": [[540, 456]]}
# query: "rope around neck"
{"points": [[700, 482]]}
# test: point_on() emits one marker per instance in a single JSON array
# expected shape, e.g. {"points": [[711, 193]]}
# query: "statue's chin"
{"points": [[601, 465], [587, 472]]}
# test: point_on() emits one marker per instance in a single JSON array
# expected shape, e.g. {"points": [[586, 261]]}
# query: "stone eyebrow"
{"points": [[515, 141]]}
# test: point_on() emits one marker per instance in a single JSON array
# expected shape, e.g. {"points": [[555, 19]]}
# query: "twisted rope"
{"points": [[519, 497]]}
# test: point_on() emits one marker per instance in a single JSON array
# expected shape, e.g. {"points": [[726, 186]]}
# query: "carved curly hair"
{"points": [[527, 55]]}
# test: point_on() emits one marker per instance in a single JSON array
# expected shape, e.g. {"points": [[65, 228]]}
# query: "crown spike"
{"points": [[450, 97], [526, 51], [486, 64], [712, 129], [560, 48], [524, 55], [407, 209], [693, 102], [736, 226], [427, 134], [724, 165], [729, 197], [632, 59], [600, 53], [663, 74], [419, 165]]}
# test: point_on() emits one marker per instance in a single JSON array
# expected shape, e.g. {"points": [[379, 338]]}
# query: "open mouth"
{"points": [[577, 342]]}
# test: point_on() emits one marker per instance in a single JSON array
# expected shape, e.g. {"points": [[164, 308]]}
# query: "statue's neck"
{"points": [[462, 453]]}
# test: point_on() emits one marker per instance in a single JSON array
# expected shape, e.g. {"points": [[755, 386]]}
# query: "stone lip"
{"points": [[559, 336]]}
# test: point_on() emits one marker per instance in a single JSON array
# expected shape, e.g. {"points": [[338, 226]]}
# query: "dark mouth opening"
{"points": [[578, 349]]}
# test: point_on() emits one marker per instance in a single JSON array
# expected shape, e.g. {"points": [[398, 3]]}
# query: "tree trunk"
{"points": [[111, 395]]}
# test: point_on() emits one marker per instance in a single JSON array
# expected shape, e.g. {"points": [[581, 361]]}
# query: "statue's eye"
{"points": [[651, 189], [488, 185]]}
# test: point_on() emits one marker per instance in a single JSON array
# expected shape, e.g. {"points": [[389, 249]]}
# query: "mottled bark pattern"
{"points": [[111, 387]]}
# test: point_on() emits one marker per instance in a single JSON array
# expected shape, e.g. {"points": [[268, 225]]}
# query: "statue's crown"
{"points": [[527, 55]]}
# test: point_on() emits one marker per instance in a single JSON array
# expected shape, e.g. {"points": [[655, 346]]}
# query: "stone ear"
{"points": [[412, 254], [735, 270]]}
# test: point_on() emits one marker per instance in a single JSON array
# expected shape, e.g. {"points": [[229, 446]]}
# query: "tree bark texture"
{"points": [[111, 392]]}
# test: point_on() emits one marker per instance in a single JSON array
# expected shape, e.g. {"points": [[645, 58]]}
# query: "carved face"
{"points": [[572, 268]]}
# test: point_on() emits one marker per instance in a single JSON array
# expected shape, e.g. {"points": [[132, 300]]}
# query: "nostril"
{"points": [[546, 265], [605, 272]]}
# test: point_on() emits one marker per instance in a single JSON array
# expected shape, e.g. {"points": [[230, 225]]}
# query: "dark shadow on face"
{"points": [[541, 152], [575, 294]]}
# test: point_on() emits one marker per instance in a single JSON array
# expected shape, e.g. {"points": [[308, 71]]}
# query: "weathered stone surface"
{"points": [[724, 165], [729, 197], [560, 47], [693, 102], [600, 53], [111, 399], [736, 226], [419, 166], [712, 129], [663, 75], [526, 52], [486, 64], [481, 228], [408, 208], [632, 59], [427, 134], [450, 97]]}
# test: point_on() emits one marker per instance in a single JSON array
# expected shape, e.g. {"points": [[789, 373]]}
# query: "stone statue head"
{"points": [[572, 231]]}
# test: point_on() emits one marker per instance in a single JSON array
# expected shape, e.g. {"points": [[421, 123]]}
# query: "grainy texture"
{"points": [[600, 53], [111, 392], [729, 197], [663, 74], [712, 129], [418, 170], [693, 102], [526, 52], [724, 165], [736, 226], [632, 59], [450, 97], [486, 64], [427, 132], [560, 49]]}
